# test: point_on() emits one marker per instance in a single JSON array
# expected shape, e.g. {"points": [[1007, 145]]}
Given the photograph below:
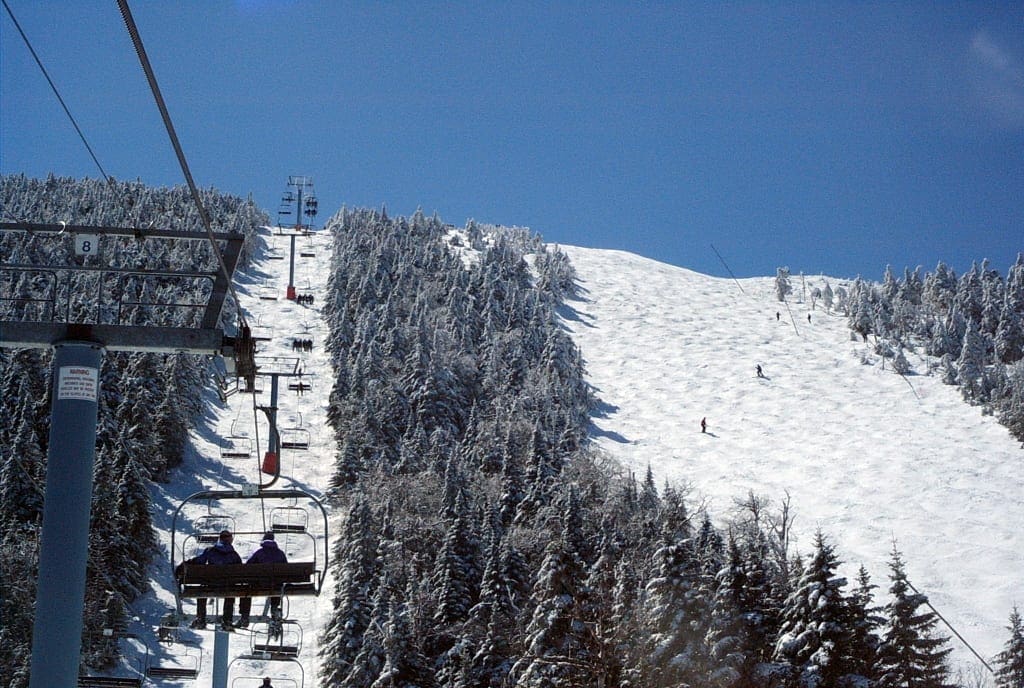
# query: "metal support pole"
{"points": [[274, 439], [221, 644], [64, 540], [298, 208], [272, 458], [291, 272]]}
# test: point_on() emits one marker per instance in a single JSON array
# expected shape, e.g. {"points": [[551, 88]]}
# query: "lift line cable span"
{"points": [[53, 86], [140, 50]]}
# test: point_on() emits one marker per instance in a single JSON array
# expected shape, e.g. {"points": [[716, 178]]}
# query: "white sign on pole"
{"points": [[87, 244], [78, 382]]}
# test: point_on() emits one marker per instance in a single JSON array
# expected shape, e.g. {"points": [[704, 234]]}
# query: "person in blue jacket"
{"points": [[268, 553], [221, 553]]}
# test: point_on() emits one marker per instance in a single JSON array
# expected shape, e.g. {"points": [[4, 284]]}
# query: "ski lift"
{"points": [[289, 519], [236, 448], [181, 661], [294, 438], [208, 527], [304, 576], [133, 681], [286, 672], [276, 639]]}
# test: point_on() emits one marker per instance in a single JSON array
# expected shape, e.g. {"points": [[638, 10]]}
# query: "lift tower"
{"points": [[66, 298], [292, 200]]}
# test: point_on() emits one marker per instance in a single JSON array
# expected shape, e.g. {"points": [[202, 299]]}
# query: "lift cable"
{"points": [[53, 86], [140, 50]]}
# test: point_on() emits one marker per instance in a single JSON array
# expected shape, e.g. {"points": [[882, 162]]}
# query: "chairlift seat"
{"points": [[248, 580], [108, 682], [171, 672], [276, 650], [288, 527]]}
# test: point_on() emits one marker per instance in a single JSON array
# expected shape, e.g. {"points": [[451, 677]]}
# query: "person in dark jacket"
{"points": [[268, 553], [218, 555]]}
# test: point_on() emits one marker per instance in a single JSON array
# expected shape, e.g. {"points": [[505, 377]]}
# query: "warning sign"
{"points": [[78, 382]]}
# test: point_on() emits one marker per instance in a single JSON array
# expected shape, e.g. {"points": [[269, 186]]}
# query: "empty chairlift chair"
{"points": [[294, 438], [208, 527], [289, 519], [236, 448], [276, 639], [180, 661]]}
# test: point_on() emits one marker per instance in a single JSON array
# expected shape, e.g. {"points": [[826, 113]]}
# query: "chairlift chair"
{"points": [[249, 670], [236, 448], [262, 333], [180, 666], [289, 519], [303, 384], [208, 527], [276, 639], [299, 578], [294, 438]]}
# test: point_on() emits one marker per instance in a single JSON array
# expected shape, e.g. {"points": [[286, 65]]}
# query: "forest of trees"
{"points": [[485, 543], [971, 327]]}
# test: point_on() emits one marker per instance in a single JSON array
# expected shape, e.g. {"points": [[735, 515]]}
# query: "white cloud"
{"points": [[1000, 79]]}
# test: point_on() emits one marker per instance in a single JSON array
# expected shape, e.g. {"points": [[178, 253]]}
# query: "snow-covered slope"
{"points": [[867, 458]]}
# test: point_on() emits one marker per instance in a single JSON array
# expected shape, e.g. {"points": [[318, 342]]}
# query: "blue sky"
{"points": [[827, 137]]}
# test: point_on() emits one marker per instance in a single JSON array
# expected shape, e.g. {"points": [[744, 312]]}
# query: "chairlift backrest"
{"points": [[289, 519]]}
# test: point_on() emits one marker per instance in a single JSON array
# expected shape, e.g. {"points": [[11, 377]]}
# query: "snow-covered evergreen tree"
{"points": [[560, 648], [1010, 662], [783, 287], [912, 653]]}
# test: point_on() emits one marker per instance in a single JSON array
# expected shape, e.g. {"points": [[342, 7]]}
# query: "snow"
{"points": [[866, 457]]}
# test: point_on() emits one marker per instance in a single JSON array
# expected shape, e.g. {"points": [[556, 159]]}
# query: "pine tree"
{"points": [[816, 630], [783, 288], [673, 618], [560, 648], [971, 365], [866, 621], [404, 664], [1010, 662], [912, 654], [728, 637]]}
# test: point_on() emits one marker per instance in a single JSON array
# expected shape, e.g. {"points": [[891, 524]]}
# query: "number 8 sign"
{"points": [[87, 244]]}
